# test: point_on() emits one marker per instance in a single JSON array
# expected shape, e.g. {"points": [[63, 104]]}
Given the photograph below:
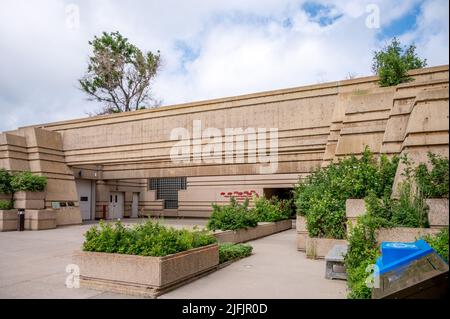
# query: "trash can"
{"points": [[410, 270], [21, 220]]}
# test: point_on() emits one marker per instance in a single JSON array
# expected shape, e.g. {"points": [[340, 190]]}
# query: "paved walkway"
{"points": [[275, 270], [32, 265]]}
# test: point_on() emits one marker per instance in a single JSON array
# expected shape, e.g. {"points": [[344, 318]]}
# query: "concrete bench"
{"points": [[335, 268]]}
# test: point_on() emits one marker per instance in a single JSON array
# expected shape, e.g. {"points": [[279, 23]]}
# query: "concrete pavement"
{"points": [[33, 263], [275, 270]]}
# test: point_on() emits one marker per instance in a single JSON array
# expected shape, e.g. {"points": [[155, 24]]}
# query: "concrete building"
{"points": [[121, 165]]}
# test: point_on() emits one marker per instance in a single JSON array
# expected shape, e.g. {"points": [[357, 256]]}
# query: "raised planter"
{"points": [[403, 234], [301, 241], [40, 219], [68, 216], [438, 216], [142, 275], [8, 220], [251, 233], [301, 224], [29, 200], [5, 196], [353, 209], [318, 248], [302, 233]]}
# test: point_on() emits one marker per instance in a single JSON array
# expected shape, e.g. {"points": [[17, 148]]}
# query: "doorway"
{"points": [[85, 198], [282, 193], [116, 205]]}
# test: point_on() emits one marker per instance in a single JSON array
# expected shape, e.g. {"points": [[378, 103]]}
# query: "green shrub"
{"points": [[231, 217], [6, 204], [393, 63], [5, 182], [410, 210], [271, 210], [433, 183], [148, 239], [439, 243], [380, 208], [321, 197], [27, 181], [362, 252], [230, 251]]}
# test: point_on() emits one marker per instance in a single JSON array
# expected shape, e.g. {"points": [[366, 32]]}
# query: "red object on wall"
{"points": [[240, 195]]}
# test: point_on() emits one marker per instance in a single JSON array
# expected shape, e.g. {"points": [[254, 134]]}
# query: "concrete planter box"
{"points": [[318, 248], [301, 241], [40, 219], [353, 209], [142, 275], [302, 233], [403, 234], [301, 224], [68, 216], [8, 220], [247, 234], [438, 216], [29, 200], [6, 196]]}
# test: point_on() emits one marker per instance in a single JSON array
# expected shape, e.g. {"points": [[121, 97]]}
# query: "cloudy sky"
{"points": [[211, 48]]}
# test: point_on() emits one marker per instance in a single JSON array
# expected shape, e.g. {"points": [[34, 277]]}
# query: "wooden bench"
{"points": [[335, 268]]}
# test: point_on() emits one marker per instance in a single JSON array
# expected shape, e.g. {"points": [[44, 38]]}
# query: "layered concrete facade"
{"points": [[117, 154]]}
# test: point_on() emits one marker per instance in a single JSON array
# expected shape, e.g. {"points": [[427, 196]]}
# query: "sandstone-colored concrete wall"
{"points": [[403, 234], [318, 248], [40, 219], [41, 152], [302, 232], [438, 213], [8, 220], [317, 124], [196, 200]]}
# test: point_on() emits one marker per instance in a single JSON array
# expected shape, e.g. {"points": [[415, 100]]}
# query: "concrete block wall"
{"points": [[41, 152], [316, 124]]}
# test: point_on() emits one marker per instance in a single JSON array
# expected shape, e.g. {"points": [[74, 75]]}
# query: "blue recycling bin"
{"points": [[410, 270], [396, 255]]}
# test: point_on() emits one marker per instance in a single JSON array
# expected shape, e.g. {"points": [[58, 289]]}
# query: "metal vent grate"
{"points": [[167, 189]]}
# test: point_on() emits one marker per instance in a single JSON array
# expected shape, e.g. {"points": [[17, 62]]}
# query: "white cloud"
{"points": [[431, 33], [210, 48]]}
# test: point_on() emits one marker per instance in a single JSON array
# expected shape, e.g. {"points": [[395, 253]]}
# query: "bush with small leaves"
{"points": [[6, 204], [321, 197], [271, 210], [232, 216], [148, 239], [5, 182], [434, 182], [28, 182], [439, 243], [230, 251], [393, 63]]}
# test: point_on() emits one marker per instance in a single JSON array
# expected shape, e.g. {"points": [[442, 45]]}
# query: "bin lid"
{"points": [[396, 254]]}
